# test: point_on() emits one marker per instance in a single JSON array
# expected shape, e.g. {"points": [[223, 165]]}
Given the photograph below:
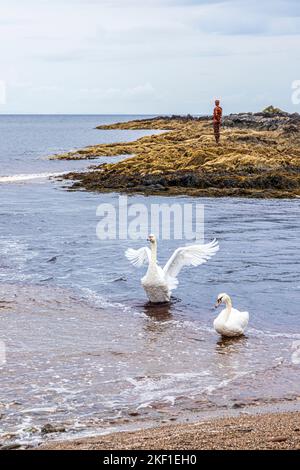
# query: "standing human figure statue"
{"points": [[217, 120]]}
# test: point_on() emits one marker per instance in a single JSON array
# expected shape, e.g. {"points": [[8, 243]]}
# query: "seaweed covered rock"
{"points": [[259, 156], [268, 121], [271, 110]]}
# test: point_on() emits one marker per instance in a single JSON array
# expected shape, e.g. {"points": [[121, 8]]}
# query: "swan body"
{"points": [[155, 285], [230, 322], [158, 282]]}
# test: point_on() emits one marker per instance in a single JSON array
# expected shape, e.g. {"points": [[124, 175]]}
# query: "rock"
{"points": [[49, 428], [290, 128], [279, 439], [238, 405], [270, 121], [272, 110], [258, 157], [175, 117], [32, 430], [245, 429], [10, 447]]}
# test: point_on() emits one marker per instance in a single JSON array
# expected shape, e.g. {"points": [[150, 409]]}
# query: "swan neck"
{"points": [[228, 306], [153, 252]]}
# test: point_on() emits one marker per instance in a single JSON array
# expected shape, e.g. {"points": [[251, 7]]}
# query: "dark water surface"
{"points": [[83, 349]]}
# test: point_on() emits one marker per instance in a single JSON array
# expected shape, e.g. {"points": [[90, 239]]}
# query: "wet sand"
{"points": [[251, 432]]}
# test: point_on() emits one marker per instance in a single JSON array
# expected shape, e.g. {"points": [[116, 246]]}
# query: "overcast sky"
{"points": [[148, 56]]}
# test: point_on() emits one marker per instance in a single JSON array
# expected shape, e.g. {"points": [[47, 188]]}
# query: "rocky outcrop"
{"points": [[259, 156], [264, 121]]}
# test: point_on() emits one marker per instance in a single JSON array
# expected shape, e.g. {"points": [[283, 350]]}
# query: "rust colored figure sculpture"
{"points": [[217, 120]]}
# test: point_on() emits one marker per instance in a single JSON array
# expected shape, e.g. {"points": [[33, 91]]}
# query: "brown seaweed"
{"points": [[259, 156]]}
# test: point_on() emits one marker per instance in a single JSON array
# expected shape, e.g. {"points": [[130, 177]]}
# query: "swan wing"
{"points": [[238, 321], [192, 255], [244, 320], [138, 257]]}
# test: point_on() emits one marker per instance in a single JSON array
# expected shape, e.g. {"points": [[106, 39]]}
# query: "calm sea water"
{"points": [[84, 350]]}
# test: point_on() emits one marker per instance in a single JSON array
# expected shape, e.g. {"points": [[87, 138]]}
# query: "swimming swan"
{"points": [[230, 322], [158, 283]]}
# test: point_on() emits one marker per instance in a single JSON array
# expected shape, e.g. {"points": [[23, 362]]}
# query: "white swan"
{"points": [[230, 322], [158, 283]]}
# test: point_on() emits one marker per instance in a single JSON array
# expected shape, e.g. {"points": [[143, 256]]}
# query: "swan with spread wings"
{"points": [[158, 282]]}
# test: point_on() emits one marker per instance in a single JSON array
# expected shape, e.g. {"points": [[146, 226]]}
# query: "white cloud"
{"points": [[140, 90], [106, 94], [154, 56]]}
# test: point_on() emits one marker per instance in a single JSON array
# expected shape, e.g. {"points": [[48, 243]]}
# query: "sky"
{"points": [[147, 56]]}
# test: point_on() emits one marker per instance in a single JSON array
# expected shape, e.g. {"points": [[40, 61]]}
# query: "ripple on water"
{"points": [[83, 347], [96, 365]]}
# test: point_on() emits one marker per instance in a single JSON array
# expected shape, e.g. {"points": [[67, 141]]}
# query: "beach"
{"points": [[275, 431]]}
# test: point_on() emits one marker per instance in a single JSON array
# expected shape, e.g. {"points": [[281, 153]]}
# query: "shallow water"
{"points": [[83, 348]]}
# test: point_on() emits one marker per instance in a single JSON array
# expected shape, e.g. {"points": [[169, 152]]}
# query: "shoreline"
{"points": [[192, 410], [257, 430], [258, 158]]}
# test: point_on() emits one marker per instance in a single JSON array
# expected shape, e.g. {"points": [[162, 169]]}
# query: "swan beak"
{"points": [[217, 304]]}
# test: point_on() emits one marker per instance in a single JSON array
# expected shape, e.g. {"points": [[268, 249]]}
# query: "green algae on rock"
{"points": [[272, 110]]}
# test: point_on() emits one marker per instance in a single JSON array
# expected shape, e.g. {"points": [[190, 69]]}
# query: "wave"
{"points": [[27, 177], [100, 301], [270, 334]]}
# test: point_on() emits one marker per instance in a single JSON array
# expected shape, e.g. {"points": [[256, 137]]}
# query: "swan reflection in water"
{"points": [[161, 311], [227, 345]]}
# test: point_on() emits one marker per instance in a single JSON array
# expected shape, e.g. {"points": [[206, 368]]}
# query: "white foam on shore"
{"points": [[21, 177]]}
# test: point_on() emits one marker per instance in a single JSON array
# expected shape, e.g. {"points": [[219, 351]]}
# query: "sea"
{"points": [[81, 349]]}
